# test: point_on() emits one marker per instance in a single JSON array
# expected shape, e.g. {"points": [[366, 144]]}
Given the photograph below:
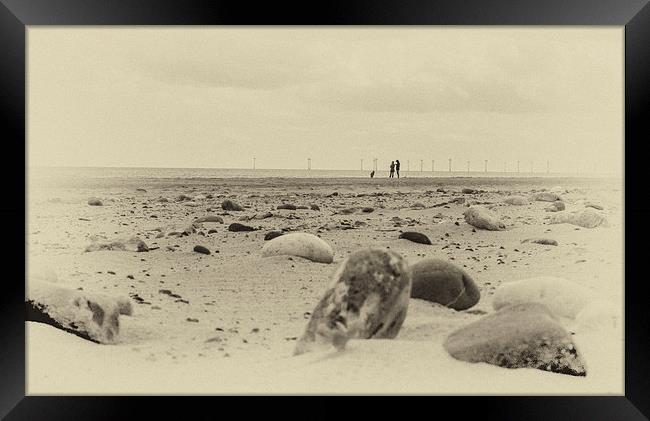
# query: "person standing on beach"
{"points": [[392, 169], [397, 167]]}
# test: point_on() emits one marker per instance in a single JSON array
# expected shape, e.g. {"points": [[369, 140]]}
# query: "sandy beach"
{"points": [[228, 321]]}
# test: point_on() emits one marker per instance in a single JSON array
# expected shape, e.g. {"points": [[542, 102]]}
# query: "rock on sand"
{"points": [[368, 298], [229, 205], [516, 200], [585, 218], [131, 244], [272, 234], [237, 227], [209, 218], [92, 316], [201, 249], [562, 297], [483, 218], [416, 237], [543, 241], [546, 197], [523, 335], [439, 281], [299, 244], [93, 201], [555, 206], [287, 206]]}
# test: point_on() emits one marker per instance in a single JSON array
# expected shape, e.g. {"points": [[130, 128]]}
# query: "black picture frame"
{"points": [[15, 15]]}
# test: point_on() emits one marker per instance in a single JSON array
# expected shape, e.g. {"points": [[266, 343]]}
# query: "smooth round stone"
{"points": [[416, 237], [561, 296], [368, 298], [367, 210], [468, 191], [237, 227], [299, 244], [439, 281], [229, 205], [483, 218], [93, 201], [201, 249], [519, 336]]}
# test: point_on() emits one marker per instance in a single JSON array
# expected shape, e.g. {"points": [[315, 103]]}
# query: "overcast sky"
{"points": [[216, 97]]}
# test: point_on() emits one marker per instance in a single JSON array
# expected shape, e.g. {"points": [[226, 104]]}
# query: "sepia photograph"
{"points": [[433, 210]]}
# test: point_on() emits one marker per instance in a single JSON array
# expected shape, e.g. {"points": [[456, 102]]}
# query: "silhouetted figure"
{"points": [[397, 167], [392, 169], [372, 174]]}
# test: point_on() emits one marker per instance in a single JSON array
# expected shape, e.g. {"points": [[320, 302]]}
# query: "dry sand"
{"points": [[250, 309]]}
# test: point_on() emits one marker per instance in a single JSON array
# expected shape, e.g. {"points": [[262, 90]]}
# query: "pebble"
{"points": [[287, 206], [209, 218], [229, 205], [544, 241], [416, 237], [237, 227], [201, 249], [272, 234], [132, 244]]}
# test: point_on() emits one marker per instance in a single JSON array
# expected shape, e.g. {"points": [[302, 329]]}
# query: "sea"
{"points": [[35, 173]]}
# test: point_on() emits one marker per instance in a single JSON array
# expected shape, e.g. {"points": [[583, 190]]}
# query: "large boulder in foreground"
{"points": [[520, 336], [299, 244], [439, 281], [483, 218], [562, 297], [368, 298], [91, 316], [119, 244], [585, 218]]}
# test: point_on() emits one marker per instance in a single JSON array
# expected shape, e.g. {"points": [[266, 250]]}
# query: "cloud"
{"points": [[463, 94]]}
